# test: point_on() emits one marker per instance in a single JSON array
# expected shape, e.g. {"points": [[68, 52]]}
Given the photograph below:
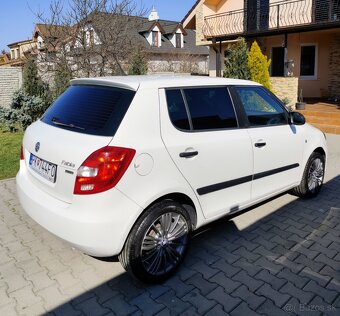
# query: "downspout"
{"points": [[218, 56], [286, 63]]}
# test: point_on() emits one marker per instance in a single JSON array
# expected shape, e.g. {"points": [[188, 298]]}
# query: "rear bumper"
{"points": [[96, 224]]}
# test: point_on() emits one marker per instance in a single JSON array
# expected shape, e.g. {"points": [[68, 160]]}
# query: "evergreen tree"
{"points": [[32, 83], [235, 63], [138, 64], [62, 77], [258, 65]]}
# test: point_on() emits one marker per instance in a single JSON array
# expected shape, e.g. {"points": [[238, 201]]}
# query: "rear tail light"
{"points": [[103, 169], [22, 157]]}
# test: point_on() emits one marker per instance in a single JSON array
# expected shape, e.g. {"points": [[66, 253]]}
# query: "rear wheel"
{"points": [[313, 176], [157, 243]]}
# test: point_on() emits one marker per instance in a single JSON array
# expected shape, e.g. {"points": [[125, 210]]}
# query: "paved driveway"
{"points": [[280, 258]]}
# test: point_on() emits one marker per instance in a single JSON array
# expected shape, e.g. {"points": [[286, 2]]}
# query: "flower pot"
{"points": [[300, 105]]}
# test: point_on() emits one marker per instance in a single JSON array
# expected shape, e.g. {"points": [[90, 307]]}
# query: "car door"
{"points": [[200, 131], [277, 145]]}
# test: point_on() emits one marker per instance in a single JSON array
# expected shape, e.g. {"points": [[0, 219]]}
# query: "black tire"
{"points": [[312, 178], [157, 243]]}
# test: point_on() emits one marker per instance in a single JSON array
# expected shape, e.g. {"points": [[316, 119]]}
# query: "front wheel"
{"points": [[157, 243], [313, 176]]}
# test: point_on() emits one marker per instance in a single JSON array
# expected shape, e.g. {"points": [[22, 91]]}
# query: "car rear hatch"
{"points": [[82, 120]]}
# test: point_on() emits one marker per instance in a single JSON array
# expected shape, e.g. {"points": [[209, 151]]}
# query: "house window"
{"points": [[178, 40], [155, 38], [308, 61], [12, 54], [91, 37], [18, 53]]}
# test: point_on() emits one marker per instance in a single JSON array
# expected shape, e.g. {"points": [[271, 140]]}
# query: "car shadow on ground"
{"points": [[287, 261]]}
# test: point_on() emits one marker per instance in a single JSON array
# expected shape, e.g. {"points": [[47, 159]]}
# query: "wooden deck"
{"points": [[325, 116]]}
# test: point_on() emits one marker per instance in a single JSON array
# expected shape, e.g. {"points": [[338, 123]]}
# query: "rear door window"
{"points": [[199, 109], [95, 110], [210, 108]]}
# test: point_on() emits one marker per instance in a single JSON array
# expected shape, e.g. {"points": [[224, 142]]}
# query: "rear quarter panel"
{"points": [[140, 130]]}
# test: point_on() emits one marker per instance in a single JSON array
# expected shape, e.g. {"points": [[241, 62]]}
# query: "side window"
{"points": [[210, 108], [261, 108], [177, 111]]}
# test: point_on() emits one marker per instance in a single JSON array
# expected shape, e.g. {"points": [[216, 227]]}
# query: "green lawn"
{"points": [[10, 144]]}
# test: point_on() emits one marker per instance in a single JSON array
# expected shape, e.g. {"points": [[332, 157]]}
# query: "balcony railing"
{"points": [[266, 18]]}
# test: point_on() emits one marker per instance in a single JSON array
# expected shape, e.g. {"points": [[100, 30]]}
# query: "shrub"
{"points": [[258, 65], [23, 111], [235, 63]]}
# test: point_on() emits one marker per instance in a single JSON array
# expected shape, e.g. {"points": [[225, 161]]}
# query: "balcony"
{"points": [[275, 18]]}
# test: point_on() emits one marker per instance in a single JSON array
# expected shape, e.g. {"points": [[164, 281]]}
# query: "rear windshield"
{"points": [[95, 110]]}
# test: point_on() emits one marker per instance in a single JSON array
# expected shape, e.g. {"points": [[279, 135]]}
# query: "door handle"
{"points": [[260, 144], [188, 154]]}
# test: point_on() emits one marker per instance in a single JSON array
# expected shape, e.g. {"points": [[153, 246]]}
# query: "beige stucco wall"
{"points": [[229, 5], [318, 86]]}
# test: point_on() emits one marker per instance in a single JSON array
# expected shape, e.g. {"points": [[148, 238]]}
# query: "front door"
{"points": [[200, 131], [277, 146]]}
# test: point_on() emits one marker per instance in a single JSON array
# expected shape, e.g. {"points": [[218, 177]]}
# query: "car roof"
{"points": [[160, 81]]}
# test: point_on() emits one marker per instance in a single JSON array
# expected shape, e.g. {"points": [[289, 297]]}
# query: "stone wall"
{"points": [[199, 26], [334, 68], [286, 87], [10, 81]]}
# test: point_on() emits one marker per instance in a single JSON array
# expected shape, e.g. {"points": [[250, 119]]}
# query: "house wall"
{"points": [[312, 88], [10, 81], [163, 63], [286, 88]]}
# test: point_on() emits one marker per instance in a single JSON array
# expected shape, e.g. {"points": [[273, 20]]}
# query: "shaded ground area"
{"points": [[280, 258]]}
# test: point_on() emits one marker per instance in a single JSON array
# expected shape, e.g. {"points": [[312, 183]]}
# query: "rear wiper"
{"points": [[55, 122]]}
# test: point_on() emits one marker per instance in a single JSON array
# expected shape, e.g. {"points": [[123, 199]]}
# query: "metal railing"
{"points": [[275, 16]]}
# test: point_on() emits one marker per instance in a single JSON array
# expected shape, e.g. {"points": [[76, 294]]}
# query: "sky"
{"points": [[18, 17]]}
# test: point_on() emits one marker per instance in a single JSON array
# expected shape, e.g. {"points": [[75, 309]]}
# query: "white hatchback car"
{"points": [[130, 166]]}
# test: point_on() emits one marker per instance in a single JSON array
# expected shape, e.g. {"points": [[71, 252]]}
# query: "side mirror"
{"points": [[297, 118]]}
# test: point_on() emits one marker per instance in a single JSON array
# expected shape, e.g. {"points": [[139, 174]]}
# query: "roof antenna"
{"points": [[153, 14]]}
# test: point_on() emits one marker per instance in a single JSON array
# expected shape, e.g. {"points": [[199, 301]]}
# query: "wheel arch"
{"points": [[181, 198], [320, 150], [184, 200]]}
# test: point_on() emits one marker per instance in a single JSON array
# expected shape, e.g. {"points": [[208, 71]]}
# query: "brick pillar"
{"points": [[334, 67]]}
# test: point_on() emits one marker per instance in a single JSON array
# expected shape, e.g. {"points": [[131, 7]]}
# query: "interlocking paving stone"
{"points": [[319, 278], [243, 309], [328, 295], [228, 284], [173, 303], [146, 304], [254, 301], [201, 303], [287, 255], [302, 295], [277, 297], [275, 282], [250, 282], [228, 302], [202, 284]]}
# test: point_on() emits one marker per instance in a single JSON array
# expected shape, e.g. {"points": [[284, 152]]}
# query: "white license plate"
{"points": [[46, 169]]}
